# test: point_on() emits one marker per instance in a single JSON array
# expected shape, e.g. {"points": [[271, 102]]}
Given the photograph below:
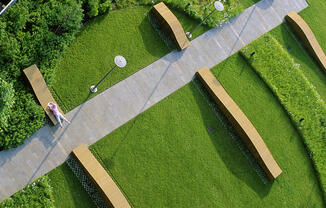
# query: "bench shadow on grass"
{"points": [[152, 41], [295, 47], [79, 196], [235, 161]]}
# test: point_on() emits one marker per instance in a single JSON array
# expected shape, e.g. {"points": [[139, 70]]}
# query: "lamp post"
{"points": [[218, 6], [120, 62]]}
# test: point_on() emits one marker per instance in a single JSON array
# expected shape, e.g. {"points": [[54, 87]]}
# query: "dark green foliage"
{"points": [[25, 119], [6, 101], [37, 194], [32, 32], [298, 96], [94, 8], [323, 121]]}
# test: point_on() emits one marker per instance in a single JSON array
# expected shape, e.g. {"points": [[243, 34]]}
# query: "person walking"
{"points": [[57, 114]]}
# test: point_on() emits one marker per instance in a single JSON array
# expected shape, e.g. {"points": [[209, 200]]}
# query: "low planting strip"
{"points": [[297, 95]]}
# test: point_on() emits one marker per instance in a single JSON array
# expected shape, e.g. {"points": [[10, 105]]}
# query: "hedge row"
{"points": [[298, 96], [37, 194]]}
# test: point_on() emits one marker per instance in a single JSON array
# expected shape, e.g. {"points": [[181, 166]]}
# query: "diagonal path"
{"points": [[50, 146]]}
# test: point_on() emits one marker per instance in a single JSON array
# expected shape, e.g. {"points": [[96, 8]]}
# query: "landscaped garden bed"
{"points": [[299, 97], [179, 153], [37, 32]]}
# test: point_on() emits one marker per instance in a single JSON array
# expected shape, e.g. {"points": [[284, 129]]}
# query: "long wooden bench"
{"points": [[101, 179], [171, 25], [41, 91], [304, 32], [241, 123]]}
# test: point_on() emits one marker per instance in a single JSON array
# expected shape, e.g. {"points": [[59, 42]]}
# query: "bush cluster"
{"points": [[299, 97], [6, 101], [93, 8], [37, 194], [31, 32]]}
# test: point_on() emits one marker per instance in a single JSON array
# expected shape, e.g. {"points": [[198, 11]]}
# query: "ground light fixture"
{"points": [[218, 6], [120, 62]]}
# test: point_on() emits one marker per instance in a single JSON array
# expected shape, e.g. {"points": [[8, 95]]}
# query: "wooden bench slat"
{"points": [[171, 24], [41, 91], [241, 123], [101, 179]]}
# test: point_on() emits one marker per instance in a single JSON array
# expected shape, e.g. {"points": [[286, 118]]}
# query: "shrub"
{"points": [[37, 194], [32, 32], [26, 118], [298, 96], [94, 8], [6, 101]]}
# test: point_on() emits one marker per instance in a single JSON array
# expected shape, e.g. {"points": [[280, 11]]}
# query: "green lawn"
{"points": [[159, 163], [314, 15], [124, 32], [165, 157], [67, 190]]}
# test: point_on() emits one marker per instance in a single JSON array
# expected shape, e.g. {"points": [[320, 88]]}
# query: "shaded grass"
{"points": [[67, 190], [315, 17], [166, 157], [124, 32], [300, 99]]}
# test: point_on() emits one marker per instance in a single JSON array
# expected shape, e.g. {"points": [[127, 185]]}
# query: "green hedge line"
{"points": [[37, 194], [298, 96]]}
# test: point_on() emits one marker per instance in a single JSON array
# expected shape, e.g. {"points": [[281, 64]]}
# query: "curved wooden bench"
{"points": [[41, 91], [241, 123], [101, 179], [307, 36], [171, 25]]}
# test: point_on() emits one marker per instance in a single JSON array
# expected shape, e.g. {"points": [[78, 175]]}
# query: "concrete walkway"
{"points": [[50, 146]]}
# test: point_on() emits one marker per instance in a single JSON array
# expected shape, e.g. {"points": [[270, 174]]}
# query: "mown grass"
{"points": [[315, 17], [67, 190], [166, 157], [124, 32], [298, 96]]}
